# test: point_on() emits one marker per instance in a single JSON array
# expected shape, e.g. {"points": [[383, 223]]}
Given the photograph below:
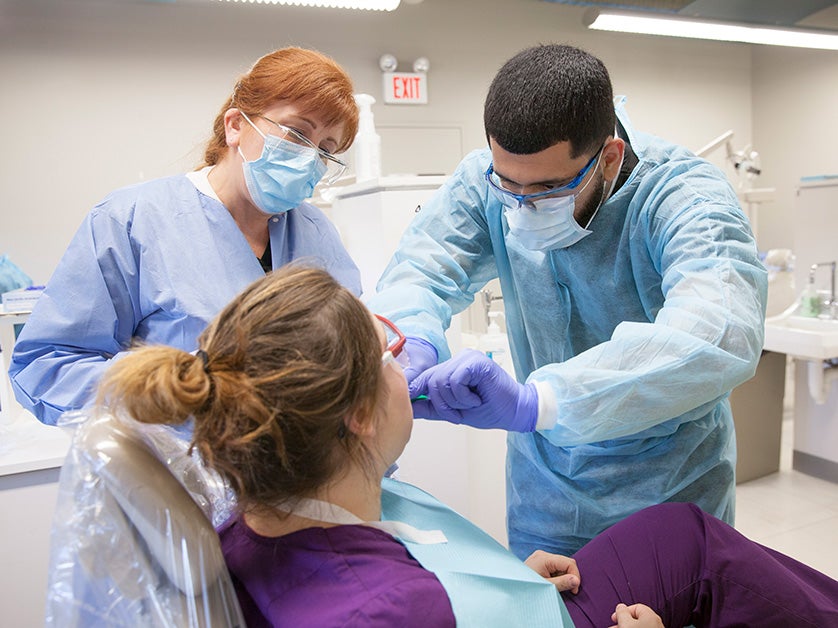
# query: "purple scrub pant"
{"points": [[694, 569]]}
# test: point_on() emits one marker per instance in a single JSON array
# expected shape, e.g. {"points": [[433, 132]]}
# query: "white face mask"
{"points": [[549, 226], [548, 223]]}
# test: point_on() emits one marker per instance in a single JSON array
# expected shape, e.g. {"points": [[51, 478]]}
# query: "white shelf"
{"points": [[396, 182]]}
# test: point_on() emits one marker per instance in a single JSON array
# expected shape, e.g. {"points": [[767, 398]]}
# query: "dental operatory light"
{"points": [[745, 161], [677, 26], [746, 164], [368, 5]]}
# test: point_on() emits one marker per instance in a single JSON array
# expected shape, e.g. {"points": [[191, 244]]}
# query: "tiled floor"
{"points": [[792, 512]]}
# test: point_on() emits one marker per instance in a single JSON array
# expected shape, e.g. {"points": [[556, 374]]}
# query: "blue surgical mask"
{"points": [[283, 176]]}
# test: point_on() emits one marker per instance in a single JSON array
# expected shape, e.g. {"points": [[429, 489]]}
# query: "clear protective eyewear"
{"points": [[334, 166], [395, 344], [506, 196]]}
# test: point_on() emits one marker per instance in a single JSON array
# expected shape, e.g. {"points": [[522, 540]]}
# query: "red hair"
{"points": [[309, 79]]}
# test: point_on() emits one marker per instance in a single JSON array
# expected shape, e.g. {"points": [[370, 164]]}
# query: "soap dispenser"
{"points": [[367, 145], [495, 344], [810, 303]]}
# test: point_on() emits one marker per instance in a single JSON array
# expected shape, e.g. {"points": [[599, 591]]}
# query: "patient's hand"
{"points": [[560, 570], [636, 616]]}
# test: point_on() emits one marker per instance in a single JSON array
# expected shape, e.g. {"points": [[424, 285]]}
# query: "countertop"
{"points": [[28, 445]]}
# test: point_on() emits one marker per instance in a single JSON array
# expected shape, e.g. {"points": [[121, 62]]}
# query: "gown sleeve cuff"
{"points": [[548, 407]]}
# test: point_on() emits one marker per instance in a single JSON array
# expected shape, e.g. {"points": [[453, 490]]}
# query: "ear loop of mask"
{"points": [[619, 168], [607, 195], [255, 128]]}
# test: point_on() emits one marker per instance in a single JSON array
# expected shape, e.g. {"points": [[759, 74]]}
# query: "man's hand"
{"points": [[472, 389]]}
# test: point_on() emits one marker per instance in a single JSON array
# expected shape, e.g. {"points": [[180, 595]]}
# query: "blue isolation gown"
{"points": [[153, 262], [640, 330]]}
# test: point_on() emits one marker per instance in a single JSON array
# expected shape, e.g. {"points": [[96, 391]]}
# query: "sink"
{"points": [[802, 337]]}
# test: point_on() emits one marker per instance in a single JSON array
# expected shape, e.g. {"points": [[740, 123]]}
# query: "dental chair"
{"points": [[133, 542]]}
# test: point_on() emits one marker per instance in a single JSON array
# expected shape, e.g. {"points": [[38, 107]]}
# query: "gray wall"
{"points": [[99, 94], [795, 95]]}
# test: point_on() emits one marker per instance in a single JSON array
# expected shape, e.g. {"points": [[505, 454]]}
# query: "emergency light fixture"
{"points": [[677, 26], [370, 5], [404, 88]]}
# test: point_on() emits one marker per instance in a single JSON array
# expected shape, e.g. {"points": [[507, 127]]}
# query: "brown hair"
{"points": [[305, 77], [286, 362]]}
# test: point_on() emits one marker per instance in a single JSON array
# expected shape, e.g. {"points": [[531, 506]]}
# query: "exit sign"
{"points": [[405, 88]]}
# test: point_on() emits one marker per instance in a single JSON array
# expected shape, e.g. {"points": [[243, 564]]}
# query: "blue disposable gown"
{"points": [[640, 330], [153, 262]]}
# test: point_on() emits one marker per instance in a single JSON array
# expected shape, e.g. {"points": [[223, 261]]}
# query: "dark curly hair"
{"points": [[548, 94]]}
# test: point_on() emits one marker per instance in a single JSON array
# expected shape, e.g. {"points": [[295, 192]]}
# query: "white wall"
{"points": [[795, 96], [97, 94]]}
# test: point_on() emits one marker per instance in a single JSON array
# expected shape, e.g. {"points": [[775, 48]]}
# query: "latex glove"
{"points": [[472, 389], [422, 355]]}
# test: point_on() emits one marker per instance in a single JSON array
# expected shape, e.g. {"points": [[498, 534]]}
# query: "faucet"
{"points": [[831, 303], [488, 297]]}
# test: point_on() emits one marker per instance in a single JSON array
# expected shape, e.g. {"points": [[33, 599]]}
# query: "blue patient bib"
{"points": [[487, 585]]}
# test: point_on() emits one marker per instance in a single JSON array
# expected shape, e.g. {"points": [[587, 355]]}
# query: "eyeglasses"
{"points": [[394, 352], [334, 166], [506, 196]]}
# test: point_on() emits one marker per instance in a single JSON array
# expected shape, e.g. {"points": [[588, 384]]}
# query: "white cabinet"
{"points": [[30, 457], [372, 215]]}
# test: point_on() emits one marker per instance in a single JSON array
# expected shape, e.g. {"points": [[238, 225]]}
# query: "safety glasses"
{"points": [[506, 196], [395, 344], [334, 166]]}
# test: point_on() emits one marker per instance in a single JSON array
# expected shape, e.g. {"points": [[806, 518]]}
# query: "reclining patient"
{"points": [[300, 403]]}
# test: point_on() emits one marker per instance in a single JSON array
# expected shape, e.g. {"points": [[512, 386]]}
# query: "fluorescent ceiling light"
{"points": [[628, 22], [371, 5]]}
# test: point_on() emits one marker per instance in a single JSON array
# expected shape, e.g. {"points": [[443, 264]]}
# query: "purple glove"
{"points": [[474, 390], [422, 356]]}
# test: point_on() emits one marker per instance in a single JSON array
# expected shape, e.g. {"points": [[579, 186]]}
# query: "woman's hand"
{"points": [[560, 570], [636, 616]]}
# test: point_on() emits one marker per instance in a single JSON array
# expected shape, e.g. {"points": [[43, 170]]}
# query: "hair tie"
{"points": [[200, 353]]}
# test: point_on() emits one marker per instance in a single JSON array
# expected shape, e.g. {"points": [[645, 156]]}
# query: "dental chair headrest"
{"points": [[175, 530], [130, 545]]}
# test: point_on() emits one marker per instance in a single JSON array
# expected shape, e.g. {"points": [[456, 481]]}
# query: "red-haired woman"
{"points": [[158, 260]]}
